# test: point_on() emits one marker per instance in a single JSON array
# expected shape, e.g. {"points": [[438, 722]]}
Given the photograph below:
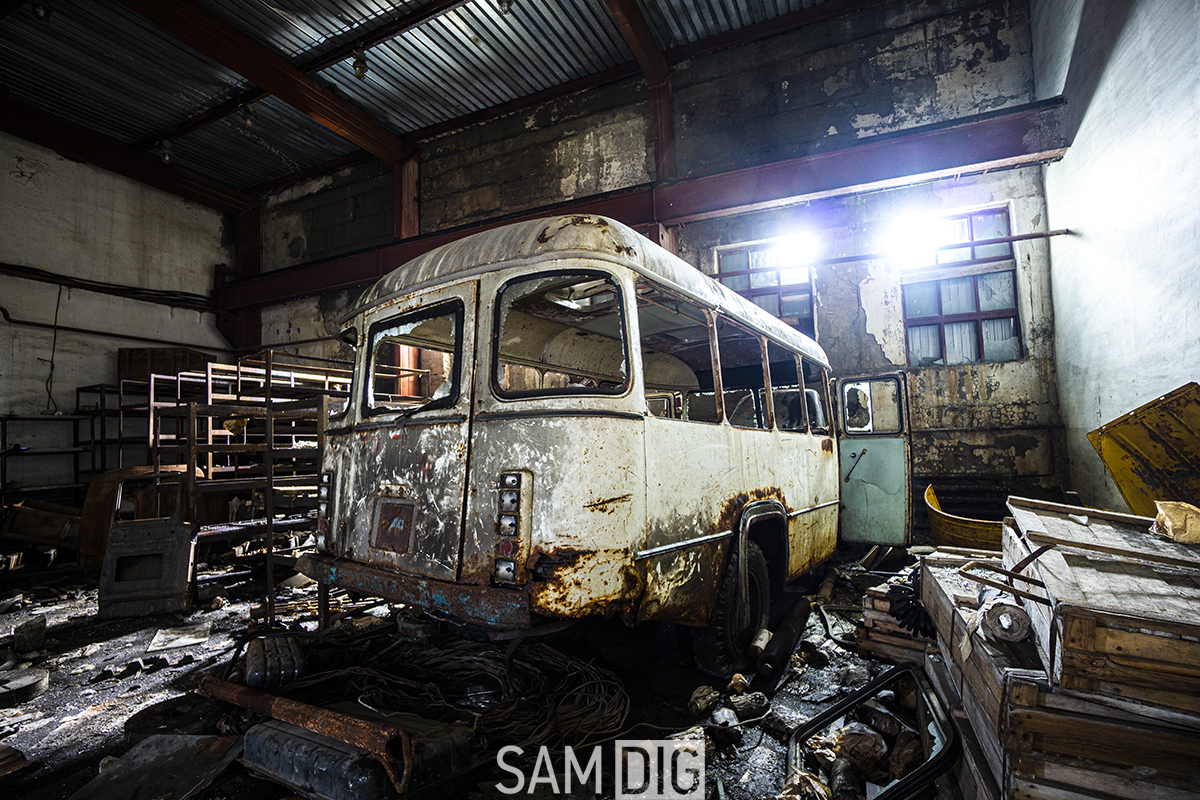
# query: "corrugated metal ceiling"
{"points": [[99, 65]]}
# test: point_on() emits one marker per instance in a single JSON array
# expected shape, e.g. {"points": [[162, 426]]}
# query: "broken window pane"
{"points": [[561, 333], [996, 291], [676, 358], [816, 396], [741, 373], [413, 359], [1000, 341]]}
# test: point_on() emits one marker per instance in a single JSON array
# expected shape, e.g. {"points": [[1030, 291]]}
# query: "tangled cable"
{"points": [[533, 696]]}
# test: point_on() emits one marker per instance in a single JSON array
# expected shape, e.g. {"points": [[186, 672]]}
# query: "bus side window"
{"points": [[742, 379], [786, 388], [676, 358], [816, 396]]}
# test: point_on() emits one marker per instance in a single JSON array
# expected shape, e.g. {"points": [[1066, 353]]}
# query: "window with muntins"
{"points": [[969, 318], [773, 280]]}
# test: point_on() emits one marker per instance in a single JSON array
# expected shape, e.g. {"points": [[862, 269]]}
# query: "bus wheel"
{"points": [[721, 645]]}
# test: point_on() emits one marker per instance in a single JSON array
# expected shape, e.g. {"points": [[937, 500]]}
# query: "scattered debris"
{"points": [[22, 685], [186, 636], [164, 767], [703, 700]]}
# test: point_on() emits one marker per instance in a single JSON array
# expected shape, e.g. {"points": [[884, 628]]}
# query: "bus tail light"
{"points": [[512, 519], [324, 498]]}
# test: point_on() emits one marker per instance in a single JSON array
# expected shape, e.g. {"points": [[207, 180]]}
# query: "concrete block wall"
{"points": [[73, 219], [1126, 294]]}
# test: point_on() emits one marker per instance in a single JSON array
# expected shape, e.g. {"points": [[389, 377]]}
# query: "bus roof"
{"points": [[577, 236]]}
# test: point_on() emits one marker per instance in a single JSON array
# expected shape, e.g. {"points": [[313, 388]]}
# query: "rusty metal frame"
{"points": [[752, 513], [377, 738]]}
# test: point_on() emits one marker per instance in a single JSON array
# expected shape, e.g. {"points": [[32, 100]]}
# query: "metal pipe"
{"points": [[377, 738], [91, 332], [774, 658]]}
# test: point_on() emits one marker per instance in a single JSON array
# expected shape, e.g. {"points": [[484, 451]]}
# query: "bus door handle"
{"points": [[858, 460]]}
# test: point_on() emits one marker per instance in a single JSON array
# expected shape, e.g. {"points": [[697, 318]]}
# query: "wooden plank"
{"points": [[1034, 506], [1116, 709], [988, 741], [1141, 672], [1038, 538], [1161, 697], [1069, 734], [1090, 776], [1141, 645], [1025, 789]]}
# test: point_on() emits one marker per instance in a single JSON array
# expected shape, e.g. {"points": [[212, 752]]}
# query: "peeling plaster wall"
{"points": [[1126, 294], [882, 69], [76, 220], [993, 422]]}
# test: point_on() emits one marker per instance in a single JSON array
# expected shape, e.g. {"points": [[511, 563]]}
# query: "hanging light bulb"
{"points": [[165, 152], [42, 11], [360, 62], [505, 6], [248, 115]]}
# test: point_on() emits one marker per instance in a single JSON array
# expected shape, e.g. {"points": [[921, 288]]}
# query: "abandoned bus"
{"points": [[559, 419]]}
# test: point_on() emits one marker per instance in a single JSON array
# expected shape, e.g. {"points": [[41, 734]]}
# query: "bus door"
{"points": [[874, 448]]}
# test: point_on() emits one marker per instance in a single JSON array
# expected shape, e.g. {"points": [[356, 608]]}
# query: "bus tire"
{"points": [[720, 645]]}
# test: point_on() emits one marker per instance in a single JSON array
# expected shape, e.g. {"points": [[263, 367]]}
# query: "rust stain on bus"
{"points": [[607, 505]]}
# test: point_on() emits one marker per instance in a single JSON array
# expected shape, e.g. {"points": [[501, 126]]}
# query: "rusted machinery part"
{"points": [[825, 591], [778, 651], [377, 738]]}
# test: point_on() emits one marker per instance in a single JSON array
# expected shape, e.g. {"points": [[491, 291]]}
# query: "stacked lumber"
{"points": [[1103, 702], [880, 635]]}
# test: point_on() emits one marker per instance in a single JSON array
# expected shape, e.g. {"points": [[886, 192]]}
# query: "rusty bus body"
{"points": [[536, 431]]}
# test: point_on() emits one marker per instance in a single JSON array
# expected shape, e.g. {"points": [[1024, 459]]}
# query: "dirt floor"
{"points": [[114, 683]]}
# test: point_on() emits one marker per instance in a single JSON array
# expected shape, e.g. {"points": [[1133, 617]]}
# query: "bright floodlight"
{"points": [[793, 254], [913, 241]]}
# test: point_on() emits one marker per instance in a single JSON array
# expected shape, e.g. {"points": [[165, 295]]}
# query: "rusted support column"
{"points": [[408, 211], [243, 328], [664, 130]]}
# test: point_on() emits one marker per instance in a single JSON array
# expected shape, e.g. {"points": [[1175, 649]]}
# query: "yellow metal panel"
{"points": [[1153, 452]]}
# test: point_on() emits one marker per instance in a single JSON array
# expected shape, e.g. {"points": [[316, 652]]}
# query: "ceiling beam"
{"points": [[636, 31], [640, 38], [1010, 138], [369, 38], [208, 34], [71, 140]]}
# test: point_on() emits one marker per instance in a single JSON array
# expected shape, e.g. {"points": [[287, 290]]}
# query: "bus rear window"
{"points": [[560, 333], [414, 360]]}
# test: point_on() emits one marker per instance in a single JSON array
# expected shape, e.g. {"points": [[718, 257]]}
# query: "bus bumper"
{"points": [[483, 605]]}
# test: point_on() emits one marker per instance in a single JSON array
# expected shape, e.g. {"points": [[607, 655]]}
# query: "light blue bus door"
{"points": [[876, 496]]}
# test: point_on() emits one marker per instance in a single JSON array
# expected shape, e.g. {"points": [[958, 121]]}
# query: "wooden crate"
{"points": [[880, 635], [1045, 740], [1123, 612]]}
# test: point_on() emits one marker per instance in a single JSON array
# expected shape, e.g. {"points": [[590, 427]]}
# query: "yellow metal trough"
{"points": [[954, 531]]}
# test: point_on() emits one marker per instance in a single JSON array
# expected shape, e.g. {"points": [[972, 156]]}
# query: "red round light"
{"points": [[506, 548]]}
